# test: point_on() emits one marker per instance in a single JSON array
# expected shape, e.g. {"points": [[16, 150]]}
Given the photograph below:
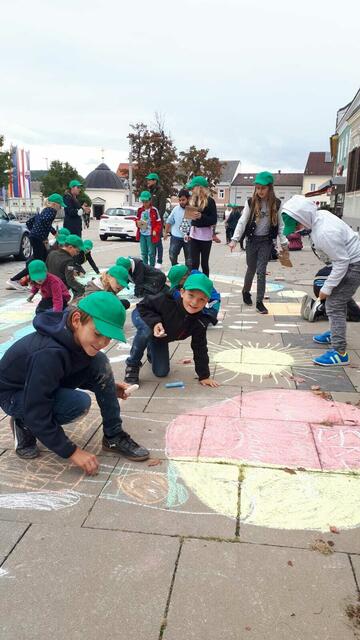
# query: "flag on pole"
{"points": [[27, 175], [15, 173]]}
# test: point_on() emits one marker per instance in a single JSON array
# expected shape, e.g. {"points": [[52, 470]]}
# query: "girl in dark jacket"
{"points": [[202, 226], [72, 220]]}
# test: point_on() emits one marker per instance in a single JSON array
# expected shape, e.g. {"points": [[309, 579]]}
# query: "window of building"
{"points": [[313, 187], [353, 174], [221, 194]]}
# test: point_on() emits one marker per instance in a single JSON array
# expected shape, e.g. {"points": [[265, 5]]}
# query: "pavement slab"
{"points": [[107, 585], [225, 591], [10, 534]]}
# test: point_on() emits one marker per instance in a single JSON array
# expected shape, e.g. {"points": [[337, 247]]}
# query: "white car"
{"points": [[119, 222]]}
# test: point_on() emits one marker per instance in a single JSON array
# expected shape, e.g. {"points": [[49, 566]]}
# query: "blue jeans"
{"points": [[71, 403], [176, 244], [157, 348], [159, 251], [147, 250]]}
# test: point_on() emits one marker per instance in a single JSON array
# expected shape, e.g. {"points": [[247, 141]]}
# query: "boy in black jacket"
{"points": [[41, 376], [147, 279], [160, 319]]}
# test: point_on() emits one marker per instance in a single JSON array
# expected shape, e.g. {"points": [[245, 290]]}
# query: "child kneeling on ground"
{"points": [[160, 319], [178, 275], [54, 294], [41, 376], [113, 280]]}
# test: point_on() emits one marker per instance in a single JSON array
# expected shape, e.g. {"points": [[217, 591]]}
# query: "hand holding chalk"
{"points": [[159, 331], [131, 389]]}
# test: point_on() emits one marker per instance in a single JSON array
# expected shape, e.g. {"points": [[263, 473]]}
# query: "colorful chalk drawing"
{"points": [[298, 455], [16, 312]]}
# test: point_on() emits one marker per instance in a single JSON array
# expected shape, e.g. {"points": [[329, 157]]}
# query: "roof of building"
{"points": [[280, 179], [228, 170], [319, 163], [103, 178]]}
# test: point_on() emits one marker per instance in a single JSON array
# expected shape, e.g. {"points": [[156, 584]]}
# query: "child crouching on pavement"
{"points": [[178, 275], [113, 280], [161, 319], [41, 376], [54, 294]]}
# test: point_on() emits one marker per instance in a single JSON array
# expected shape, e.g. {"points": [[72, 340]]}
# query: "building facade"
{"points": [[319, 169], [106, 190], [285, 186]]}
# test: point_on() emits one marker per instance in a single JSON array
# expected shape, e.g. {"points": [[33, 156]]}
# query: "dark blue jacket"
{"points": [[213, 306], [72, 220], [42, 223], [39, 364]]}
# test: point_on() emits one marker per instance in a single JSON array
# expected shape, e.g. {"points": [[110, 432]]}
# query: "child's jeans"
{"points": [[157, 348], [147, 250], [176, 244], [71, 403]]}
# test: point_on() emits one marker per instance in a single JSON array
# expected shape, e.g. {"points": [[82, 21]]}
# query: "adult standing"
{"points": [[202, 226], [260, 223], [158, 200], [39, 226], [179, 230], [72, 219]]}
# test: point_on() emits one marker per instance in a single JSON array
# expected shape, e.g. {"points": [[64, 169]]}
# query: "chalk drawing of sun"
{"points": [[294, 456], [256, 361]]}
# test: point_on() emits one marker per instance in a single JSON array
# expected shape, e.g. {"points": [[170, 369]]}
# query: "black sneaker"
{"points": [[247, 298], [126, 446], [260, 307], [132, 374], [25, 442]]}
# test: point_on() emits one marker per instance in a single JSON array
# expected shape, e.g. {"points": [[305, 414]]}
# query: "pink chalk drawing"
{"points": [[282, 428]]}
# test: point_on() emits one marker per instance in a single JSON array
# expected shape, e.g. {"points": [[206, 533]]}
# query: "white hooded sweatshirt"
{"points": [[329, 235]]}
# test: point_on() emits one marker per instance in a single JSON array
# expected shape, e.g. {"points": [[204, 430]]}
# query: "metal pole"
{"points": [[130, 177]]}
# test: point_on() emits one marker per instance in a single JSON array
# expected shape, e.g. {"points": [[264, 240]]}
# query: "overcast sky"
{"points": [[258, 81]]}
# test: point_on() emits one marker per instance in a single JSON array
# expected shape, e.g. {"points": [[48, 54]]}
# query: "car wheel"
{"points": [[104, 237], [25, 248]]}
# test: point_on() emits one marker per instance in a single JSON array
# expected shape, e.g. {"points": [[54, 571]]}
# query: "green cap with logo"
{"points": [[176, 274], [120, 274], [200, 282], [289, 224], [197, 181], [56, 197], [107, 312], [87, 245], [145, 196], [124, 262], [74, 183], [264, 178], [74, 241], [152, 176], [37, 270]]}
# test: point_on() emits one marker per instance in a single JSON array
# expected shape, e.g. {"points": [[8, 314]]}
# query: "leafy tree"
{"points": [[195, 162], [58, 178], [153, 151], [5, 164]]}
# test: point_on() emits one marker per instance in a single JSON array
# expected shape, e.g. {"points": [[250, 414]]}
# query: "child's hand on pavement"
{"points": [[232, 245], [159, 331], [209, 382], [120, 390], [86, 461]]}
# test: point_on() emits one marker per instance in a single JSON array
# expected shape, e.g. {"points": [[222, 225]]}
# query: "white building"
{"points": [[318, 170], [351, 213], [285, 186], [106, 190]]}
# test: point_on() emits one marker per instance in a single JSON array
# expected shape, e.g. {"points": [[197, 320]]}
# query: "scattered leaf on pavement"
{"points": [[290, 563], [322, 547], [334, 529], [153, 462]]}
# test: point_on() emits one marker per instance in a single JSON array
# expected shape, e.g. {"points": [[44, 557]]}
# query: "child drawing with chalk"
{"points": [[43, 377], [161, 319], [178, 275], [54, 294]]}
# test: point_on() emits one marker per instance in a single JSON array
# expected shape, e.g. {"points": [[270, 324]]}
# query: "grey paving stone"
{"points": [[328, 379], [193, 397], [89, 584], [171, 498], [347, 540], [231, 591], [10, 533]]}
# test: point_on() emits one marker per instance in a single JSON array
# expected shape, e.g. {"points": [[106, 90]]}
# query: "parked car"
{"points": [[119, 222], [14, 238]]}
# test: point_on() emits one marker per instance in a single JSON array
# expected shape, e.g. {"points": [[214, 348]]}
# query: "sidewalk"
{"points": [[245, 523]]}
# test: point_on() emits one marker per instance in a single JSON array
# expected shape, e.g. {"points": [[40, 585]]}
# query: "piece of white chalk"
{"points": [[131, 389]]}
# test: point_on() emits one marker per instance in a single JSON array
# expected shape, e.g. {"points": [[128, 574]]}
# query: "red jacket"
{"points": [[155, 222], [53, 288]]}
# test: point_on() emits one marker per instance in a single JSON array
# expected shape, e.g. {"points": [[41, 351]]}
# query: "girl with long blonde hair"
{"points": [[202, 226], [261, 224]]}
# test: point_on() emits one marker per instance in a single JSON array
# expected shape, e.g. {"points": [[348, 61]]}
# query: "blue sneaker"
{"points": [[332, 358], [323, 338]]}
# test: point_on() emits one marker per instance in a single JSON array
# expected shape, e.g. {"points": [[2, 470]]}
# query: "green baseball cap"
{"points": [[74, 183], [61, 239], [176, 274], [120, 274], [87, 245], [152, 176], [74, 241], [197, 181], [264, 178], [107, 312], [56, 197], [145, 196], [124, 262], [37, 270], [200, 282], [289, 224], [64, 231]]}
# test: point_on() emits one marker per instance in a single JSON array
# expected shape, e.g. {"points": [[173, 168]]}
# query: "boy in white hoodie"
{"points": [[339, 244]]}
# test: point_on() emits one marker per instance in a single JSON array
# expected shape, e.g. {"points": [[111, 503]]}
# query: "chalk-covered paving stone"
{"points": [[89, 584], [233, 591]]}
